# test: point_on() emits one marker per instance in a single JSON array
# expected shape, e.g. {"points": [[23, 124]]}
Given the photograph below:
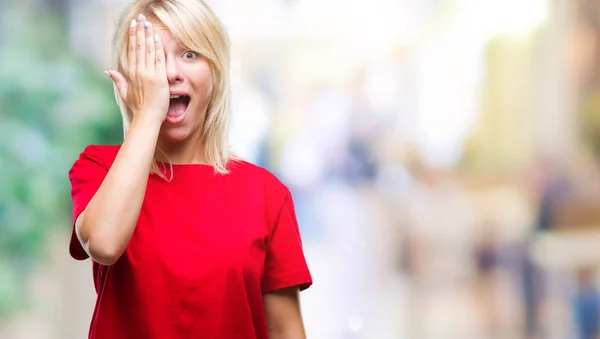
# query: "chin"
{"points": [[174, 134]]}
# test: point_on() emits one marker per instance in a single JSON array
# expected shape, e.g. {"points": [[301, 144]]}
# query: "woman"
{"points": [[186, 241]]}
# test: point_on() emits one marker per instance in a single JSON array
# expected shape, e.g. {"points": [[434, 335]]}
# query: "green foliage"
{"points": [[52, 104]]}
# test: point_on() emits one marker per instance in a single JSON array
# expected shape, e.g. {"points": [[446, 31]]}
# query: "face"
{"points": [[190, 77]]}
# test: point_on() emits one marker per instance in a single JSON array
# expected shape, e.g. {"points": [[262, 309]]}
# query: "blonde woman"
{"points": [[186, 241]]}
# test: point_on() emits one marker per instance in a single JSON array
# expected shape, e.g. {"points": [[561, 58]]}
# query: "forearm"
{"points": [[287, 333], [112, 214]]}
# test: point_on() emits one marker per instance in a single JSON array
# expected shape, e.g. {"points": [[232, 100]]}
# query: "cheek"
{"points": [[204, 80], [207, 87], [208, 84]]}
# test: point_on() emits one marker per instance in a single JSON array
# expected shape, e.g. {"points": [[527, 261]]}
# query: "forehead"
{"points": [[164, 32]]}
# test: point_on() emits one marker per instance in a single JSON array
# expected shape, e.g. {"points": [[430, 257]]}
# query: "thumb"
{"points": [[120, 82]]}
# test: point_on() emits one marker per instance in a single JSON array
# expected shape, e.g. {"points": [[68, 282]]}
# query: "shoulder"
{"points": [[251, 173], [94, 160], [103, 155], [93, 163]]}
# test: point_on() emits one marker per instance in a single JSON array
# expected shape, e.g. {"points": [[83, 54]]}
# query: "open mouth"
{"points": [[178, 105]]}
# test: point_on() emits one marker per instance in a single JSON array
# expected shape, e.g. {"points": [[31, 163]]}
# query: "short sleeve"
{"points": [[285, 264], [86, 176]]}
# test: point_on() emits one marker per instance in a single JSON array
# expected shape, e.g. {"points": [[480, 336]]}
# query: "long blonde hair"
{"points": [[197, 28]]}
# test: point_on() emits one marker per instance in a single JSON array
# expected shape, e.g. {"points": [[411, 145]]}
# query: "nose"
{"points": [[174, 75]]}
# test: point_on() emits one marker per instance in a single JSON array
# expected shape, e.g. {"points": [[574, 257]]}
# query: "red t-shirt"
{"points": [[205, 249]]}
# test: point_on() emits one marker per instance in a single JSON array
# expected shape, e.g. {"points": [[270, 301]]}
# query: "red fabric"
{"points": [[205, 249]]}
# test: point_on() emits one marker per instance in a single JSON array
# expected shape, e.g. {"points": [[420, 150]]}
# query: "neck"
{"points": [[190, 151]]}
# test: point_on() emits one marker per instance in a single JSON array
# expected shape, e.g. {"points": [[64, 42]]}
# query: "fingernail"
{"points": [[155, 37], [141, 18], [108, 74], [147, 24], [133, 23]]}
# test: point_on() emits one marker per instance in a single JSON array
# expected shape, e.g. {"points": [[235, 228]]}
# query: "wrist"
{"points": [[147, 120]]}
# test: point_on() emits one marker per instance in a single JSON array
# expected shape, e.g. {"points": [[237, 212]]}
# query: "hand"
{"points": [[147, 91]]}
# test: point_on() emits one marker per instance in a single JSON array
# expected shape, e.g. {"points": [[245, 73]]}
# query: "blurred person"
{"points": [[586, 305], [553, 189], [186, 240], [487, 276]]}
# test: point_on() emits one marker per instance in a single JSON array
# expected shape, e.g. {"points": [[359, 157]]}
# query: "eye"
{"points": [[190, 55]]}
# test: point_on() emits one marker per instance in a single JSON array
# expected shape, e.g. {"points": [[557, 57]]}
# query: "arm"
{"points": [[286, 272], [282, 311], [105, 227]]}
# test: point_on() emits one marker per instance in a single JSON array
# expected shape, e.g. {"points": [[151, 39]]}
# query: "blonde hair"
{"points": [[197, 28]]}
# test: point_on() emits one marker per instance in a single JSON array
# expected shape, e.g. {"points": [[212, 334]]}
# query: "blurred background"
{"points": [[443, 156]]}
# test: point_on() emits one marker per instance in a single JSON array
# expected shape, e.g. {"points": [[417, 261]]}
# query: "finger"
{"points": [[120, 82], [150, 50], [140, 44], [131, 49], [159, 52]]}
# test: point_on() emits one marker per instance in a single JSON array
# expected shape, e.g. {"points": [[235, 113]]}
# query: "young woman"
{"points": [[186, 241]]}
